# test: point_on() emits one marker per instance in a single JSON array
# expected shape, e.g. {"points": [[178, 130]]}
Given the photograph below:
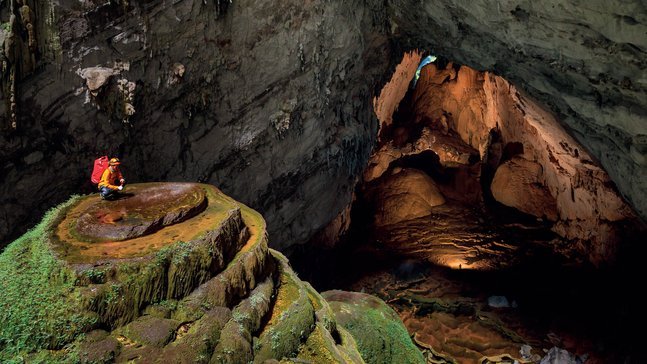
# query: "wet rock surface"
{"points": [[141, 209]]}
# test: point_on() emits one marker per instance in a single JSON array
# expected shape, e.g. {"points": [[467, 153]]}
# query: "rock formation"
{"points": [[274, 95], [273, 102], [488, 132], [517, 183], [406, 195], [201, 288]]}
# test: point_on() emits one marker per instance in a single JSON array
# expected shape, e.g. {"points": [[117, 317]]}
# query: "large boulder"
{"points": [[518, 183], [365, 315], [406, 194]]}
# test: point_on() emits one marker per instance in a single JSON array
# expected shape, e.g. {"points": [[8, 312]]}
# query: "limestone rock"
{"points": [[229, 73], [560, 55], [494, 117], [517, 183], [364, 315], [150, 330], [586, 63], [205, 289], [96, 77], [141, 209], [405, 195]]}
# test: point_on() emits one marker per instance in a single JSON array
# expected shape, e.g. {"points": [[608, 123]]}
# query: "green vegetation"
{"points": [[381, 337], [39, 305]]}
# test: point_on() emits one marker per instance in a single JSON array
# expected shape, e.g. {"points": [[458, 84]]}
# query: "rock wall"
{"points": [[273, 101], [586, 60], [267, 100], [525, 158]]}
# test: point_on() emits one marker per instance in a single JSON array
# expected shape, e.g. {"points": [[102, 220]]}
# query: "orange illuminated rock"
{"points": [[493, 117], [518, 183], [405, 195]]}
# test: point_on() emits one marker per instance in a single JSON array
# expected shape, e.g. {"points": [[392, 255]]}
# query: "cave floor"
{"points": [[472, 289]]}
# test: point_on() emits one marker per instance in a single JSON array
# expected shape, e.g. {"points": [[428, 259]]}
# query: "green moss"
{"points": [[292, 317], [380, 335], [39, 305]]}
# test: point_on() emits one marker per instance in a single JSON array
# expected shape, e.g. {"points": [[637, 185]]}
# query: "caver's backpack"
{"points": [[100, 165]]}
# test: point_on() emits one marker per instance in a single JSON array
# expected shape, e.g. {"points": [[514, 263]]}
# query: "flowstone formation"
{"points": [[170, 272]]}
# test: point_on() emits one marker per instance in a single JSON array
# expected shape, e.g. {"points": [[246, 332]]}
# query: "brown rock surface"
{"points": [[564, 183], [407, 194], [141, 209], [129, 218], [517, 183]]}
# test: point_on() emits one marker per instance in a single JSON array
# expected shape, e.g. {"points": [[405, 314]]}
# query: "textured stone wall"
{"points": [[272, 101], [267, 100]]}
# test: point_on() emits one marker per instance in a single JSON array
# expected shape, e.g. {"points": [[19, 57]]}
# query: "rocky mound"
{"points": [[201, 286]]}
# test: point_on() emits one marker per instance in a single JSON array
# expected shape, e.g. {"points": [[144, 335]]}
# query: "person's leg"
{"points": [[106, 193]]}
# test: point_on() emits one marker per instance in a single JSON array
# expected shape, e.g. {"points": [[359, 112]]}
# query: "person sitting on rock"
{"points": [[108, 185]]}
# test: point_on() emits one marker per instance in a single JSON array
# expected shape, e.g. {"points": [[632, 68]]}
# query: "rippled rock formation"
{"points": [[197, 289]]}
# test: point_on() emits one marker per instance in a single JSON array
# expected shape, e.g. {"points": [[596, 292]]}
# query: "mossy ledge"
{"points": [[204, 289]]}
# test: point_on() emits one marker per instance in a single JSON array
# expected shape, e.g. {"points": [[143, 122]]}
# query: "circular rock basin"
{"points": [[141, 209], [147, 218]]}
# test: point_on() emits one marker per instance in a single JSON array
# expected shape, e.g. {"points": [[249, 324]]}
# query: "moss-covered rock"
{"points": [[292, 318], [206, 289], [40, 308], [236, 343], [150, 330], [98, 347], [380, 334]]}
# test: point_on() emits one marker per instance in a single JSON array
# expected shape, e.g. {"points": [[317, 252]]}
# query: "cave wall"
{"points": [[267, 100], [271, 101], [586, 60], [588, 207]]}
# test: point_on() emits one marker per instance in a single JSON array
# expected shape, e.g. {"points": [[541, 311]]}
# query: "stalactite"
{"points": [[221, 7], [19, 54]]}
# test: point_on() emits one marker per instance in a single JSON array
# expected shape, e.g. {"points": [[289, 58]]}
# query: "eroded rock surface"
{"points": [[517, 183], [477, 130], [405, 195], [586, 62], [206, 289], [141, 210], [273, 101]]}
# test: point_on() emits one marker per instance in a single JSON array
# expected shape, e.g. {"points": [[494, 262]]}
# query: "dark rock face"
{"points": [[272, 101], [267, 100]]}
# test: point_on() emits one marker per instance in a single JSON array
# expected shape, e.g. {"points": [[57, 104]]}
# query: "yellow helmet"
{"points": [[114, 162]]}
